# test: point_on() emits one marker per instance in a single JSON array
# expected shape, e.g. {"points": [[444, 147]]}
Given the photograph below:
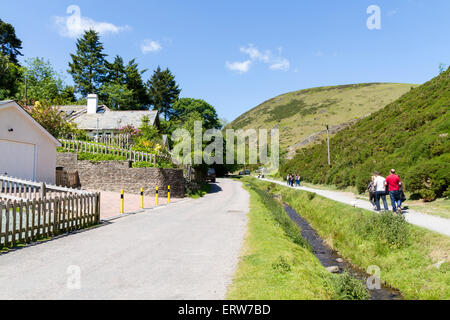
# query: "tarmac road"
{"points": [[187, 250]]}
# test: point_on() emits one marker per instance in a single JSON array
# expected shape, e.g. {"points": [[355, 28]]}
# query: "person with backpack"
{"points": [[371, 189], [380, 191], [394, 184]]}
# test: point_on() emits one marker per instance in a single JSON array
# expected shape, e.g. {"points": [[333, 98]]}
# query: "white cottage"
{"points": [[99, 120], [27, 150]]}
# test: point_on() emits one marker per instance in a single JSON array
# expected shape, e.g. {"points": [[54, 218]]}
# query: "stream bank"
{"points": [[329, 258]]}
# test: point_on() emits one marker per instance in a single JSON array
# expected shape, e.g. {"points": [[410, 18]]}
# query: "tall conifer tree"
{"points": [[163, 91], [88, 66]]}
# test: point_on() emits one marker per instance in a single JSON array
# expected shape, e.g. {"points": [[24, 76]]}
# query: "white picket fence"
{"points": [[30, 210], [123, 141], [95, 148]]}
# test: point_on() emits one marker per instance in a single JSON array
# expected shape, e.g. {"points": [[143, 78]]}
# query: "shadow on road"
{"points": [[214, 188]]}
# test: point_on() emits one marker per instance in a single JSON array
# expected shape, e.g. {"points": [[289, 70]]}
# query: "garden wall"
{"points": [[117, 175]]}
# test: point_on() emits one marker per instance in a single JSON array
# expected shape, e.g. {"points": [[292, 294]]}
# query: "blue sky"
{"points": [[237, 54]]}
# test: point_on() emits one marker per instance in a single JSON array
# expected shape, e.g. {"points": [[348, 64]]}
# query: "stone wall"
{"points": [[117, 175]]}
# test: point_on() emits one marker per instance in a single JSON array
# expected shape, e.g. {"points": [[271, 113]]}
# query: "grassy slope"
{"points": [[265, 242], [302, 113], [411, 134], [409, 269]]}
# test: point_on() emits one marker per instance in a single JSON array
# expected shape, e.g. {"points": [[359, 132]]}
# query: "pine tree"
{"points": [[88, 66], [133, 80], [10, 45], [163, 91], [116, 71]]}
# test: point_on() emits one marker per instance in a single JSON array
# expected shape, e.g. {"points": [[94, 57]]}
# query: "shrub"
{"points": [[281, 265], [98, 157], [392, 231], [311, 196], [142, 164], [346, 287]]}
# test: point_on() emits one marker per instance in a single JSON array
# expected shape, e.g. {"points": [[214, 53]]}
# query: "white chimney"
{"points": [[92, 103]]}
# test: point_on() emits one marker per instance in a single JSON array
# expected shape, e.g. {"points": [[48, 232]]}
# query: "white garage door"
{"points": [[17, 159]]}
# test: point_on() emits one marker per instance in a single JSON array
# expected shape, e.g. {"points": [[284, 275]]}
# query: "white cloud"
{"points": [[392, 12], [255, 54], [150, 46], [275, 62], [241, 67], [75, 25], [282, 64]]}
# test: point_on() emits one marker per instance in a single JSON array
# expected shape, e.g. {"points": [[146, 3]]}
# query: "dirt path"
{"points": [[434, 223]]}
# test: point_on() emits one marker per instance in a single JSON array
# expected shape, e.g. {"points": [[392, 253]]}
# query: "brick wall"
{"points": [[117, 175]]}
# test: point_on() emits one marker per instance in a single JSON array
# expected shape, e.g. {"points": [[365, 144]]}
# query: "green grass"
{"points": [[405, 265], [411, 135], [272, 266], [275, 265], [302, 113]]}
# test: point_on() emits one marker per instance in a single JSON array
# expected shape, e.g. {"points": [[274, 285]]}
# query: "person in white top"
{"points": [[380, 191]]}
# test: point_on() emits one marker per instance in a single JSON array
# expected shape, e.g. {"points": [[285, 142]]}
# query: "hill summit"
{"points": [[410, 134], [302, 115]]}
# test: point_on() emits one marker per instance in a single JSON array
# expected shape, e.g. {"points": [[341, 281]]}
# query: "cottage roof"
{"points": [[107, 119]]}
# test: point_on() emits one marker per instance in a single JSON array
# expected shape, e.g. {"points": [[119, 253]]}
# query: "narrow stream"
{"points": [[328, 257]]}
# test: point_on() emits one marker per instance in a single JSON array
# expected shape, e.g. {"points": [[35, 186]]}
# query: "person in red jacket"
{"points": [[393, 182]]}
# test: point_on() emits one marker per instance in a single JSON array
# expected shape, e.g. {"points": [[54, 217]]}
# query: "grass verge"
{"points": [[406, 254], [275, 263]]}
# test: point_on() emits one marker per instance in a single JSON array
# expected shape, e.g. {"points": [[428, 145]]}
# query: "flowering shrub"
{"points": [[130, 130]]}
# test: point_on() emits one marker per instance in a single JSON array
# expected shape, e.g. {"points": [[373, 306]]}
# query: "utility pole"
{"points": [[328, 142]]}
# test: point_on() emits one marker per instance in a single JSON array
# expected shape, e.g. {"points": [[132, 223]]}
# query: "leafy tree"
{"points": [[149, 132], [116, 95], [88, 66], [51, 119], [10, 45], [163, 91], [67, 95], [43, 82], [130, 77], [11, 76], [185, 107]]}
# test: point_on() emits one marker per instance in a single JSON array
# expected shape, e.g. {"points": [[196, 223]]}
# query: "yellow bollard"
{"points": [[168, 194], [142, 198], [121, 201], [156, 202]]}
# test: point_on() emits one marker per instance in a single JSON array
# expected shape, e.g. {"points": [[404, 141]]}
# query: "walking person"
{"points": [[394, 183], [371, 189], [287, 180], [380, 191]]}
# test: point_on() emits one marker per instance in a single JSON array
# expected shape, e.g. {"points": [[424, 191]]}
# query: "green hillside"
{"points": [[302, 113], [411, 134]]}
